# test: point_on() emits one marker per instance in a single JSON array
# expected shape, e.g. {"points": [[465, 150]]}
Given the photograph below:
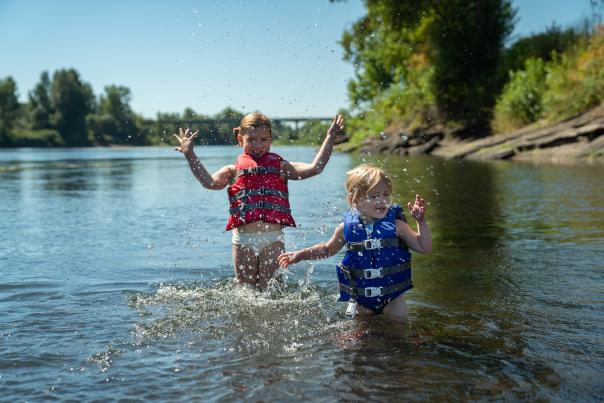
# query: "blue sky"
{"points": [[279, 57]]}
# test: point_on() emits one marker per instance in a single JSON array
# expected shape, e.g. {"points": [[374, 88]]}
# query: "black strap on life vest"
{"points": [[367, 274], [374, 291], [245, 193], [367, 244], [258, 170], [244, 207]]}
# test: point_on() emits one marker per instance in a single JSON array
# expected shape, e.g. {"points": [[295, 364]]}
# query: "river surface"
{"points": [[116, 283]]}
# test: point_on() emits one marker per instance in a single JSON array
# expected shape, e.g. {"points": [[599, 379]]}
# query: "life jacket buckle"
{"points": [[370, 244], [371, 292], [351, 310], [372, 273]]}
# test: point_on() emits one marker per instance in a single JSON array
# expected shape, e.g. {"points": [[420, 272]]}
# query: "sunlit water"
{"points": [[117, 283]]}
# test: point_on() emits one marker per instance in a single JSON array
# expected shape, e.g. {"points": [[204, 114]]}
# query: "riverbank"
{"points": [[576, 139]]}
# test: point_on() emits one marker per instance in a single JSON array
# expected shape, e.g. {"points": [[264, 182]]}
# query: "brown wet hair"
{"points": [[251, 121]]}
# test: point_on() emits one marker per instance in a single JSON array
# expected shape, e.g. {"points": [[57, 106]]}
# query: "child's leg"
{"points": [[246, 265], [361, 310], [267, 262], [397, 308]]}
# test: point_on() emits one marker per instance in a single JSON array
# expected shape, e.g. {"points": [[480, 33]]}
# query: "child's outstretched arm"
{"points": [[219, 179], [302, 170], [315, 252], [420, 241]]}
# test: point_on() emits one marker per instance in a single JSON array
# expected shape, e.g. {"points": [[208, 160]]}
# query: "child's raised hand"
{"points": [[285, 259], [337, 126], [186, 140], [418, 209]]}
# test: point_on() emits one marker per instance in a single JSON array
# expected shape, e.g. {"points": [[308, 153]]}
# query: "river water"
{"points": [[116, 283]]}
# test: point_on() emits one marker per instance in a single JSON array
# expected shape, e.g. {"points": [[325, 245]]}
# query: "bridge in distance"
{"points": [[235, 122]]}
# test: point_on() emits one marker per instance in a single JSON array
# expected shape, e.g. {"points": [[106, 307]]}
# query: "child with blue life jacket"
{"points": [[258, 193], [376, 270]]}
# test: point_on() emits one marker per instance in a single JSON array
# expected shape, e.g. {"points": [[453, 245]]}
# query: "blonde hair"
{"points": [[360, 181], [252, 121]]}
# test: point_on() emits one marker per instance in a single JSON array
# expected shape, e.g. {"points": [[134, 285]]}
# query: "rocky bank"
{"points": [[577, 138]]}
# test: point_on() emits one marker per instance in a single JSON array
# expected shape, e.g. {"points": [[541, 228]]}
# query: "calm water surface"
{"points": [[116, 283]]}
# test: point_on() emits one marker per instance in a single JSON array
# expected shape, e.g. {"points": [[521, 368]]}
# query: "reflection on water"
{"points": [[116, 282]]}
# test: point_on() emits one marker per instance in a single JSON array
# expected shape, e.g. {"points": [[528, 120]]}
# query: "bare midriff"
{"points": [[259, 226]]}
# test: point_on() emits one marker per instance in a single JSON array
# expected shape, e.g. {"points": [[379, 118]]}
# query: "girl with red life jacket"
{"points": [[376, 270], [258, 193]]}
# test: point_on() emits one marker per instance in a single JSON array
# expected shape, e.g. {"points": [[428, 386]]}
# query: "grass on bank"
{"points": [[569, 84]]}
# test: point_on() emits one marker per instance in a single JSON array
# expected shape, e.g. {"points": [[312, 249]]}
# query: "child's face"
{"points": [[375, 205], [256, 141]]}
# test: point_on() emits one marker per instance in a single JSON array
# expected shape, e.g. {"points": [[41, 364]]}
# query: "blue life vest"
{"points": [[377, 266]]}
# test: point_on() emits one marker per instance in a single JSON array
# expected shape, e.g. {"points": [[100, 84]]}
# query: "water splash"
{"points": [[241, 318]]}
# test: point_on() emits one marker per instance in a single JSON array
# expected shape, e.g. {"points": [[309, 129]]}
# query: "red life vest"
{"points": [[259, 192]]}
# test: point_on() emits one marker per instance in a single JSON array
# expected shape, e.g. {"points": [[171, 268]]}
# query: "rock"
{"points": [[577, 137]]}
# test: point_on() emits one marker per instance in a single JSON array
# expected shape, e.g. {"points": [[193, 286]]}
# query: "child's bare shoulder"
{"points": [[228, 172], [231, 168]]}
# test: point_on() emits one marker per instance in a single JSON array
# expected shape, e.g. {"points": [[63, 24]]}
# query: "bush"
{"points": [[521, 103], [36, 138], [570, 84], [575, 81]]}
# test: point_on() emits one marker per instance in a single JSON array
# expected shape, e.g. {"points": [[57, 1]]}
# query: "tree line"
{"points": [[62, 110]]}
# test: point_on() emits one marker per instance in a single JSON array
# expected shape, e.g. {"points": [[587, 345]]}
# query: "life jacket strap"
{"points": [[371, 292], [370, 244], [258, 170], [245, 207], [374, 273], [244, 193]]}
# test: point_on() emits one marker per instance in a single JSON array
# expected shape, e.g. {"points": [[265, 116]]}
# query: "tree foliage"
{"points": [[40, 107], [62, 110], [521, 101], [441, 55], [72, 100], [542, 45], [114, 122], [568, 84], [9, 108], [467, 40]]}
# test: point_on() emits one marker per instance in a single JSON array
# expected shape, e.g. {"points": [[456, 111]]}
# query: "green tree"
{"points": [[9, 108], [115, 122], [467, 40], [221, 132], [381, 44], [40, 108], [542, 45], [189, 115], [165, 125], [442, 55], [72, 100]]}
